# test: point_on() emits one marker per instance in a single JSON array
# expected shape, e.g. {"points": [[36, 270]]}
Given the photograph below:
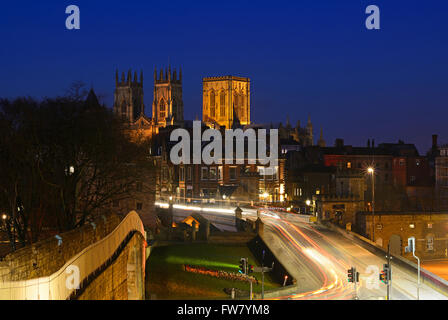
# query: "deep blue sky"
{"points": [[307, 57]]}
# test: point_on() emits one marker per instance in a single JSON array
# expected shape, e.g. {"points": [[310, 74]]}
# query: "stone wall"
{"points": [[429, 229], [123, 279], [46, 257]]}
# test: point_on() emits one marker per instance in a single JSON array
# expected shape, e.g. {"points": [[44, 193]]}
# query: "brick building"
{"points": [[429, 228]]}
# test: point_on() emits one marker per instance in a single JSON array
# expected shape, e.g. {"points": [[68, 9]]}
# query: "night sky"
{"points": [[307, 57]]}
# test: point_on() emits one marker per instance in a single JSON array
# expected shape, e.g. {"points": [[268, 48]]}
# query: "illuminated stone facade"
{"points": [[226, 101], [167, 106]]}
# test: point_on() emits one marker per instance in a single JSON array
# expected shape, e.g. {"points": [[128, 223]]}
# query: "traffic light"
{"points": [[243, 265], [251, 268], [385, 274], [350, 273]]}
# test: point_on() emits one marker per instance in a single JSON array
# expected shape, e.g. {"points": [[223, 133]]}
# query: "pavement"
{"points": [[438, 267]]}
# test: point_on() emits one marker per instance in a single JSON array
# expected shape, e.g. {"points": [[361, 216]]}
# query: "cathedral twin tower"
{"points": [[167, 106]]}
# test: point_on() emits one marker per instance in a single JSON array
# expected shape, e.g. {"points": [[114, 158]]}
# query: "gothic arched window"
{"points": [[212, 104], [212, 98], [222, 104], [162, 109], [123, 110]]}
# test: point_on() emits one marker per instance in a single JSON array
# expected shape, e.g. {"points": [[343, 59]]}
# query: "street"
{"points": [[319, 259]]}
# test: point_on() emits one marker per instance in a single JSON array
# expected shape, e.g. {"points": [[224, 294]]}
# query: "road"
{"points": [[319, 259]]}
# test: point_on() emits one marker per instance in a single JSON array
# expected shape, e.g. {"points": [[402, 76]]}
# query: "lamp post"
{"points": [[308, 203], [371, 171]]}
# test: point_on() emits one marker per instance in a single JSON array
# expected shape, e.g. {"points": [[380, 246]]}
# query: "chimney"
{"points": [[434, 141]]}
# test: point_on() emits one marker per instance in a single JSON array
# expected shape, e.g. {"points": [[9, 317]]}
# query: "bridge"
{"points": [[103, 260]]}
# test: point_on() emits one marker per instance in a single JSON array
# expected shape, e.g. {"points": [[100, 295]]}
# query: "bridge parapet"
{"points": [[81, 271]]}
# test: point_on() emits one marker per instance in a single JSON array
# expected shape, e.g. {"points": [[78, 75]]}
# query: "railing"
{"points": [[59, 285]]}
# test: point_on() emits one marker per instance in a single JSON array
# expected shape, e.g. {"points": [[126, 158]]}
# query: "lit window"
{"points": [[349, 165], [212, 175]]}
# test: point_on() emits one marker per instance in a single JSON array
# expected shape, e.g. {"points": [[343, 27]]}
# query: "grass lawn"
{"points": [[166, 279]]}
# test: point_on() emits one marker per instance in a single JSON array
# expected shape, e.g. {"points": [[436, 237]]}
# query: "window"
{"points": [[139, 186], [162, 109], [222, 104], [232, 173], [413, 179], [401, 162], [220, 173], [349, 165], [212, 104], [212, 174], [139, 206], [116, 203], [204, 173], [189, 174], [182, 174], [212, 98], [430, 243]]}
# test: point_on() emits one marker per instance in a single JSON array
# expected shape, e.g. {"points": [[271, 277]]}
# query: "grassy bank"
{"points": [[166, 278]]}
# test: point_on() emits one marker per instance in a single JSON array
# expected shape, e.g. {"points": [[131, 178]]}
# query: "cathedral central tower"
{"points": [[226, 101]]}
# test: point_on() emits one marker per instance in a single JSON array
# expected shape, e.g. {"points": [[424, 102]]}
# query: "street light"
{"points": [[4, 216], [371, 171]]}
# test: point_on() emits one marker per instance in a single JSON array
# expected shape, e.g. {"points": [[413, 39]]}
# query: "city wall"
{"points": [[109, 254]]}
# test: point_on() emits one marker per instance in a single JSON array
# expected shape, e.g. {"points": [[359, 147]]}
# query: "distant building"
{"points": [[303, 136], [441, 175]]}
